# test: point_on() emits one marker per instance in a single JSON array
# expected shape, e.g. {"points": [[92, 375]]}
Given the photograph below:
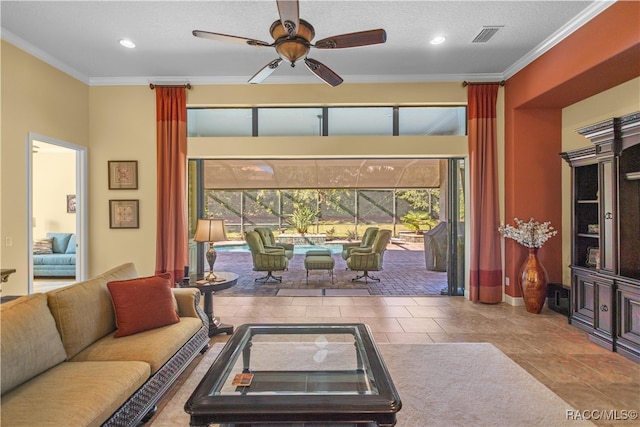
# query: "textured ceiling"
{"points": [[81, 38]]}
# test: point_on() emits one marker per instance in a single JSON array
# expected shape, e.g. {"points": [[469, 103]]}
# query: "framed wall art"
{"points": [[124, 214], [71, 203], [593, 257], [123, 174]]}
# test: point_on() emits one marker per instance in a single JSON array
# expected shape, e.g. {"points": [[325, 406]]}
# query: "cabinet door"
{"points": [[583, 296], [603, 319], [607, 216], [629, 315]]}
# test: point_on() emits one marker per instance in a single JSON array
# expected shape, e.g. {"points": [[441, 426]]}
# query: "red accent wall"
{"points": [[600, 55]]}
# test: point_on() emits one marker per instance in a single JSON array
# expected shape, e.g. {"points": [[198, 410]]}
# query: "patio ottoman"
{"points": [[319, 259]]}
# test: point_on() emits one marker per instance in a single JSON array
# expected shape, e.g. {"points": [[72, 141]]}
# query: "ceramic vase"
{"points": [[533, 282]]}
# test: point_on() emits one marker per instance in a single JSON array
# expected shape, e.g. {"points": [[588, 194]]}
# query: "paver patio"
{"points": [[404, 274]]}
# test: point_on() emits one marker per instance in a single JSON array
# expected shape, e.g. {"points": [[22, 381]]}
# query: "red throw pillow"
{"points": [[142, 304]]}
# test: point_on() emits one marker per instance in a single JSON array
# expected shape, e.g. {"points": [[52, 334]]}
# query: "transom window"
{"points": [[327, 121]]}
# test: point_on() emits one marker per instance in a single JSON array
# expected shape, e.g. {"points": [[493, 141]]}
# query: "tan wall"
{"points": [[54, 177], [40, 99], [618, 101], [123, 127]]}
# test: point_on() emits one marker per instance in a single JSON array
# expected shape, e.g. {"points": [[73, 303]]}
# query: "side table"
{"points": [[208, 289]]}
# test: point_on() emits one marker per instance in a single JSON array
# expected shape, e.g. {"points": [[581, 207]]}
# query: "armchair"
{"points": [[269, 241], [367, 240], [366, 260], [265, 259]]}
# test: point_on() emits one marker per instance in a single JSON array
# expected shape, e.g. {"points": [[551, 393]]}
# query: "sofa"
{"points": [[55, 255], [64, 362]]}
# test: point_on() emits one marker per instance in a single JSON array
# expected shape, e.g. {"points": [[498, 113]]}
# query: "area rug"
{"points": [[454, 384], [323, 292]]}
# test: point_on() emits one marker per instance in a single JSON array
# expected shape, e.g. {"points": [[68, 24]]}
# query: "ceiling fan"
{"points": [[292, 41]]}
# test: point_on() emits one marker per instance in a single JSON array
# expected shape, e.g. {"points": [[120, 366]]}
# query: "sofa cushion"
{"points": [[84, 312], [60, 242], [71, 247], [141, 304], [155, 346], [54, 259], [74, 394], [29, 341], [43, 246]]}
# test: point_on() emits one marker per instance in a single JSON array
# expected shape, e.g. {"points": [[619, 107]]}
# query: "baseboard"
{"points": [[514, 301]]}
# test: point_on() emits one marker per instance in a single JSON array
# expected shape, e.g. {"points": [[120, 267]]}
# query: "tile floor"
{"points": [[556, 353]]}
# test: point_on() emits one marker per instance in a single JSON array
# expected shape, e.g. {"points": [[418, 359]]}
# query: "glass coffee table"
{"points": [[296, 374]]}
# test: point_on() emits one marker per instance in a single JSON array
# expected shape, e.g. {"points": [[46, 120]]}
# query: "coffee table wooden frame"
{"points": [[206, 407]]}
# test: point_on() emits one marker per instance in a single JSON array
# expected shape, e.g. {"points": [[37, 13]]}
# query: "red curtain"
{"points": [[486, 255], [172, 253]]}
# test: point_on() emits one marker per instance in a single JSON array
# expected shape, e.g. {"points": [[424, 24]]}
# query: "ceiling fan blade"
{"points": [[325, 73], [228, 38], [289, 15], [361, 38], [265, 71]]}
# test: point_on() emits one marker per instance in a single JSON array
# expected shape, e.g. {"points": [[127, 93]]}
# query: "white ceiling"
{"points": [[81, 38]]}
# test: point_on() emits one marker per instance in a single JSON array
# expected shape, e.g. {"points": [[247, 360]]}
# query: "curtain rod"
{"points": [[466, 83], [186, 85]]}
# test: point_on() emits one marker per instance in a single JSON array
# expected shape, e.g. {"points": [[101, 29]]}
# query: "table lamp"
{"points": [[210, 230]]}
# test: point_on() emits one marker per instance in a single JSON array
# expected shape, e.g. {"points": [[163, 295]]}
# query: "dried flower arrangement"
{"points": [[531, 234]]}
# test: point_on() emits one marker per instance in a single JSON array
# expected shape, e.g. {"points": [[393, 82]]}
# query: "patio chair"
{"points": [[269, 241], [265, 259], [367, 260], [367, 240]]}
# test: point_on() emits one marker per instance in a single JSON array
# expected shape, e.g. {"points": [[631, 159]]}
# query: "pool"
{"points": [[335, 248]]}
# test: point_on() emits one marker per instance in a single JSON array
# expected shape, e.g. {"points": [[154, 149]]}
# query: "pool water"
{"points": [[335, 248]]}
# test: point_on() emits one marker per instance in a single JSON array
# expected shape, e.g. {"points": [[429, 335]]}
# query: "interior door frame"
{"points": [[81, 204]]}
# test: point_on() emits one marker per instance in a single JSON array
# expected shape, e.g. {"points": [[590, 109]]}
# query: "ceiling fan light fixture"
{"points": [[127, 43], [292, 48], [438, 40]]}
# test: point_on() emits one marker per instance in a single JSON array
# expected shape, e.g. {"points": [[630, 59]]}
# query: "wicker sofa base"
{"points": [[147, 396]]}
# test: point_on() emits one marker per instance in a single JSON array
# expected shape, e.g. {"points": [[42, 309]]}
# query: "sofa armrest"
{"points": [[187, 298]]}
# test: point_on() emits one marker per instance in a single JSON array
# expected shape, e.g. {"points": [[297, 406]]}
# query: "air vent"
{"points": [[486, 33]]}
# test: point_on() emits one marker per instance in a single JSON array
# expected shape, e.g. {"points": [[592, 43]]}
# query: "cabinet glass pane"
{"points": [[607, 218], [205, 122]]}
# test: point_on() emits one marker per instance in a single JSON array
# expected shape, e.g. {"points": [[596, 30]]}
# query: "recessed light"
{"points": [[127, 43], [438, 40]]}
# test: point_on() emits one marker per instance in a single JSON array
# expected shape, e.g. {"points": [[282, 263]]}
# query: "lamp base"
{"points": [[213, 278]]}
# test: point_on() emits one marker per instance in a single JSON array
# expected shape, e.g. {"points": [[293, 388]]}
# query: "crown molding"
{"points": [[306, 79], [581, 19], [43, 56]]}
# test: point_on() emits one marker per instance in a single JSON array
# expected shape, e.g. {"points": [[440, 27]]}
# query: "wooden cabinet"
{"points": [[605, 234]]}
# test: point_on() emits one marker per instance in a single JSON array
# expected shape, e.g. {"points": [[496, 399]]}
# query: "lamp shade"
{"points": [[210, 230]]}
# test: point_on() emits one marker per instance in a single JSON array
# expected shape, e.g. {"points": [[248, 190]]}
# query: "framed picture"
{"points": [[124, 214], [123, 174], [593, 228], [71, 203], [593, 257]]}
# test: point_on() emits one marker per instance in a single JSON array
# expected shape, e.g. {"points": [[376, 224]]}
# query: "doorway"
{"points": [[349, 195], [56, 213]]}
